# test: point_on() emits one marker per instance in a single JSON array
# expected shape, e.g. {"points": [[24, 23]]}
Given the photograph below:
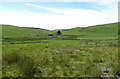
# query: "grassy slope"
{"points": [[98, 31], [106, 31], [9, 31]]}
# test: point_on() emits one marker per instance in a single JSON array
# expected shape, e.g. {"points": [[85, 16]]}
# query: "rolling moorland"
{"points": [[78, 52]]}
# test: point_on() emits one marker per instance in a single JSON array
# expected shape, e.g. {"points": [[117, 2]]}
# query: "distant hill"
{"points": [[106, 31], [9, 31]]}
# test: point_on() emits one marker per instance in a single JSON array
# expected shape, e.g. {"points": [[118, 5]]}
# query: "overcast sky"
{"points": [[59, 15]]}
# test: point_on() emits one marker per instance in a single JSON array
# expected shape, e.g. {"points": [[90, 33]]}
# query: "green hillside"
{"points": [[106, 31], [9, 31], [109, 31]]}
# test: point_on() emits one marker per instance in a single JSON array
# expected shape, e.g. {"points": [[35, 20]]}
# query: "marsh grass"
{"points": [[60, 59], [23, 64]]}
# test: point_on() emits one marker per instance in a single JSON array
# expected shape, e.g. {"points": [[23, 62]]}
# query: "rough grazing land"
{"points": [[61, 58]]}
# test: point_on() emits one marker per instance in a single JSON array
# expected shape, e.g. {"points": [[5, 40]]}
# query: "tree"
{"points": [[59, 32]]}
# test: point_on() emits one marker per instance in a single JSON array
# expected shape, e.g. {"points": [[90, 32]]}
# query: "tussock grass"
{"points": [[22, 63], [62, 59]]}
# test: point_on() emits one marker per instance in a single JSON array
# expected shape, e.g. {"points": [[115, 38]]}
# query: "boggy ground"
{"points": [[61, 58]]}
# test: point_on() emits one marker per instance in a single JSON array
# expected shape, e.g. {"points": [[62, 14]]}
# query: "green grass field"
{"points": [[78, 52]]}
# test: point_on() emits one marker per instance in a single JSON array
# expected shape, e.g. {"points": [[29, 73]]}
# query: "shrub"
{"points": [[59, 32]]}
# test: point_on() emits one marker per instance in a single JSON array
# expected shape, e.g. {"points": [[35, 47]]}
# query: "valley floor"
{"points": [[61, 58]]}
